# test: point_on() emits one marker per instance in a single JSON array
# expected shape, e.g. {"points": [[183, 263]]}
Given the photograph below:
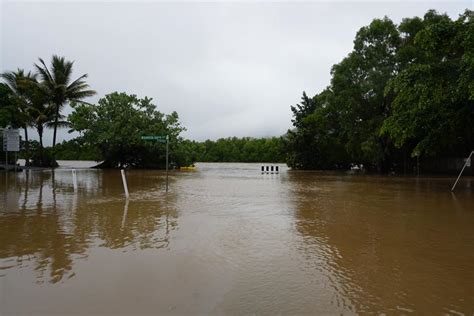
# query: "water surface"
{"points": [[229, 240]]}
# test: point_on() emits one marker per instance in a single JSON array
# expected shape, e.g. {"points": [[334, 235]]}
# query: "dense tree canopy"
{"points": [[7, 108], [246, 149], [233, 149], [115, 125], [403, 91]]}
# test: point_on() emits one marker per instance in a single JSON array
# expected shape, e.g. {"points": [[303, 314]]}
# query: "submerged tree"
{"points": [[402, 92], [115, 125]]}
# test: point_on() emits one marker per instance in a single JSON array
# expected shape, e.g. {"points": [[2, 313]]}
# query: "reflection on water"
{"points": [[47, 226], [229, 240], [394, 244]]}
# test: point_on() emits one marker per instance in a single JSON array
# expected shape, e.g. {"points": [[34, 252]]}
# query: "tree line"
{"points": [[404, 93], [232, 149]]}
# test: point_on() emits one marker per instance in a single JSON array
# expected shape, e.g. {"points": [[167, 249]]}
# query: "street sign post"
{"points": [[11, 142], [11, 139], [161, 139]]}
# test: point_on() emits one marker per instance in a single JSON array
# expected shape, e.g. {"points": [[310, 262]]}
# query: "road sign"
{"points": [[11, 139], [158, 138]]}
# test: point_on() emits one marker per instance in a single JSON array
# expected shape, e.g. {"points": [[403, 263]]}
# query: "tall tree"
{"points": [[358, 85], [17, 82], [433, 108], [42, 115], [58, 84]]}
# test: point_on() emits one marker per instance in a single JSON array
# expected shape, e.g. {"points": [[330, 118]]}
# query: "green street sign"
{"points": [[158, 138]]}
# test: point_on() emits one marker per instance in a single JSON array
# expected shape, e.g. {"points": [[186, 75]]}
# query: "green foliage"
{"points": [[18, 104], [115, 124], [433, 108], [403, 91], [60, 88], [8, 111], [233, 149], [76, 149], [317, 141], [43, 157], [38, 104]]}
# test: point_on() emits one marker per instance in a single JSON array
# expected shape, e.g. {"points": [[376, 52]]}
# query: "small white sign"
{"points": [[468, 162], [11, 139]]}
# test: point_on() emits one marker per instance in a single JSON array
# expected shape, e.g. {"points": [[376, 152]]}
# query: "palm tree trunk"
{"points": [[40, 134], [27, 148], [56, 119]]}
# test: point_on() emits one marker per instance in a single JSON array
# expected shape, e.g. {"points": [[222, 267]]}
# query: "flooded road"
{"points": [[228, 240]]}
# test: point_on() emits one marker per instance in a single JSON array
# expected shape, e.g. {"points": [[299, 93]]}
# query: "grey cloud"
{"points": [[226, 68]]}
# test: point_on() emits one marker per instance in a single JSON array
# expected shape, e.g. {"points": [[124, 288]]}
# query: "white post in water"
{"points": [[468, 162], [74, 179], [167, 142], [124, 181], [125, 211]]}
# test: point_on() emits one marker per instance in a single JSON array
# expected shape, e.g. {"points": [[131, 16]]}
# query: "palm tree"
{"points": [[17, 83], [57, 83], [40, 111]]}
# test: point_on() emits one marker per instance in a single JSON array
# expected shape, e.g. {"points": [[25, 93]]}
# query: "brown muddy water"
{"points": [[228, 240]]}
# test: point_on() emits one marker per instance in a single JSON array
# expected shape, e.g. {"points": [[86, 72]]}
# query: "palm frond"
{"points": [[78, 81], [60, 124], [44, 71], [10, 80]]}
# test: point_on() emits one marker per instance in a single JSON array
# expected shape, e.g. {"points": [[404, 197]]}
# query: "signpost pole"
{"points": [[468, 161], [11, 142], [167, 141], [161, 139]]}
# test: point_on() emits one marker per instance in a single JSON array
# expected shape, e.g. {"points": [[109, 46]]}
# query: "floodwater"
{"points": [[228, 240]]}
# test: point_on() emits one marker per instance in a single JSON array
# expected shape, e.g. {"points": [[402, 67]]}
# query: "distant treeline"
{"points": [[404, 94], [246, 149], [233, 149]]}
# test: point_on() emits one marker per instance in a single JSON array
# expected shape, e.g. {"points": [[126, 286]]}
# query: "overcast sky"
{"points": [[228, 69]]}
